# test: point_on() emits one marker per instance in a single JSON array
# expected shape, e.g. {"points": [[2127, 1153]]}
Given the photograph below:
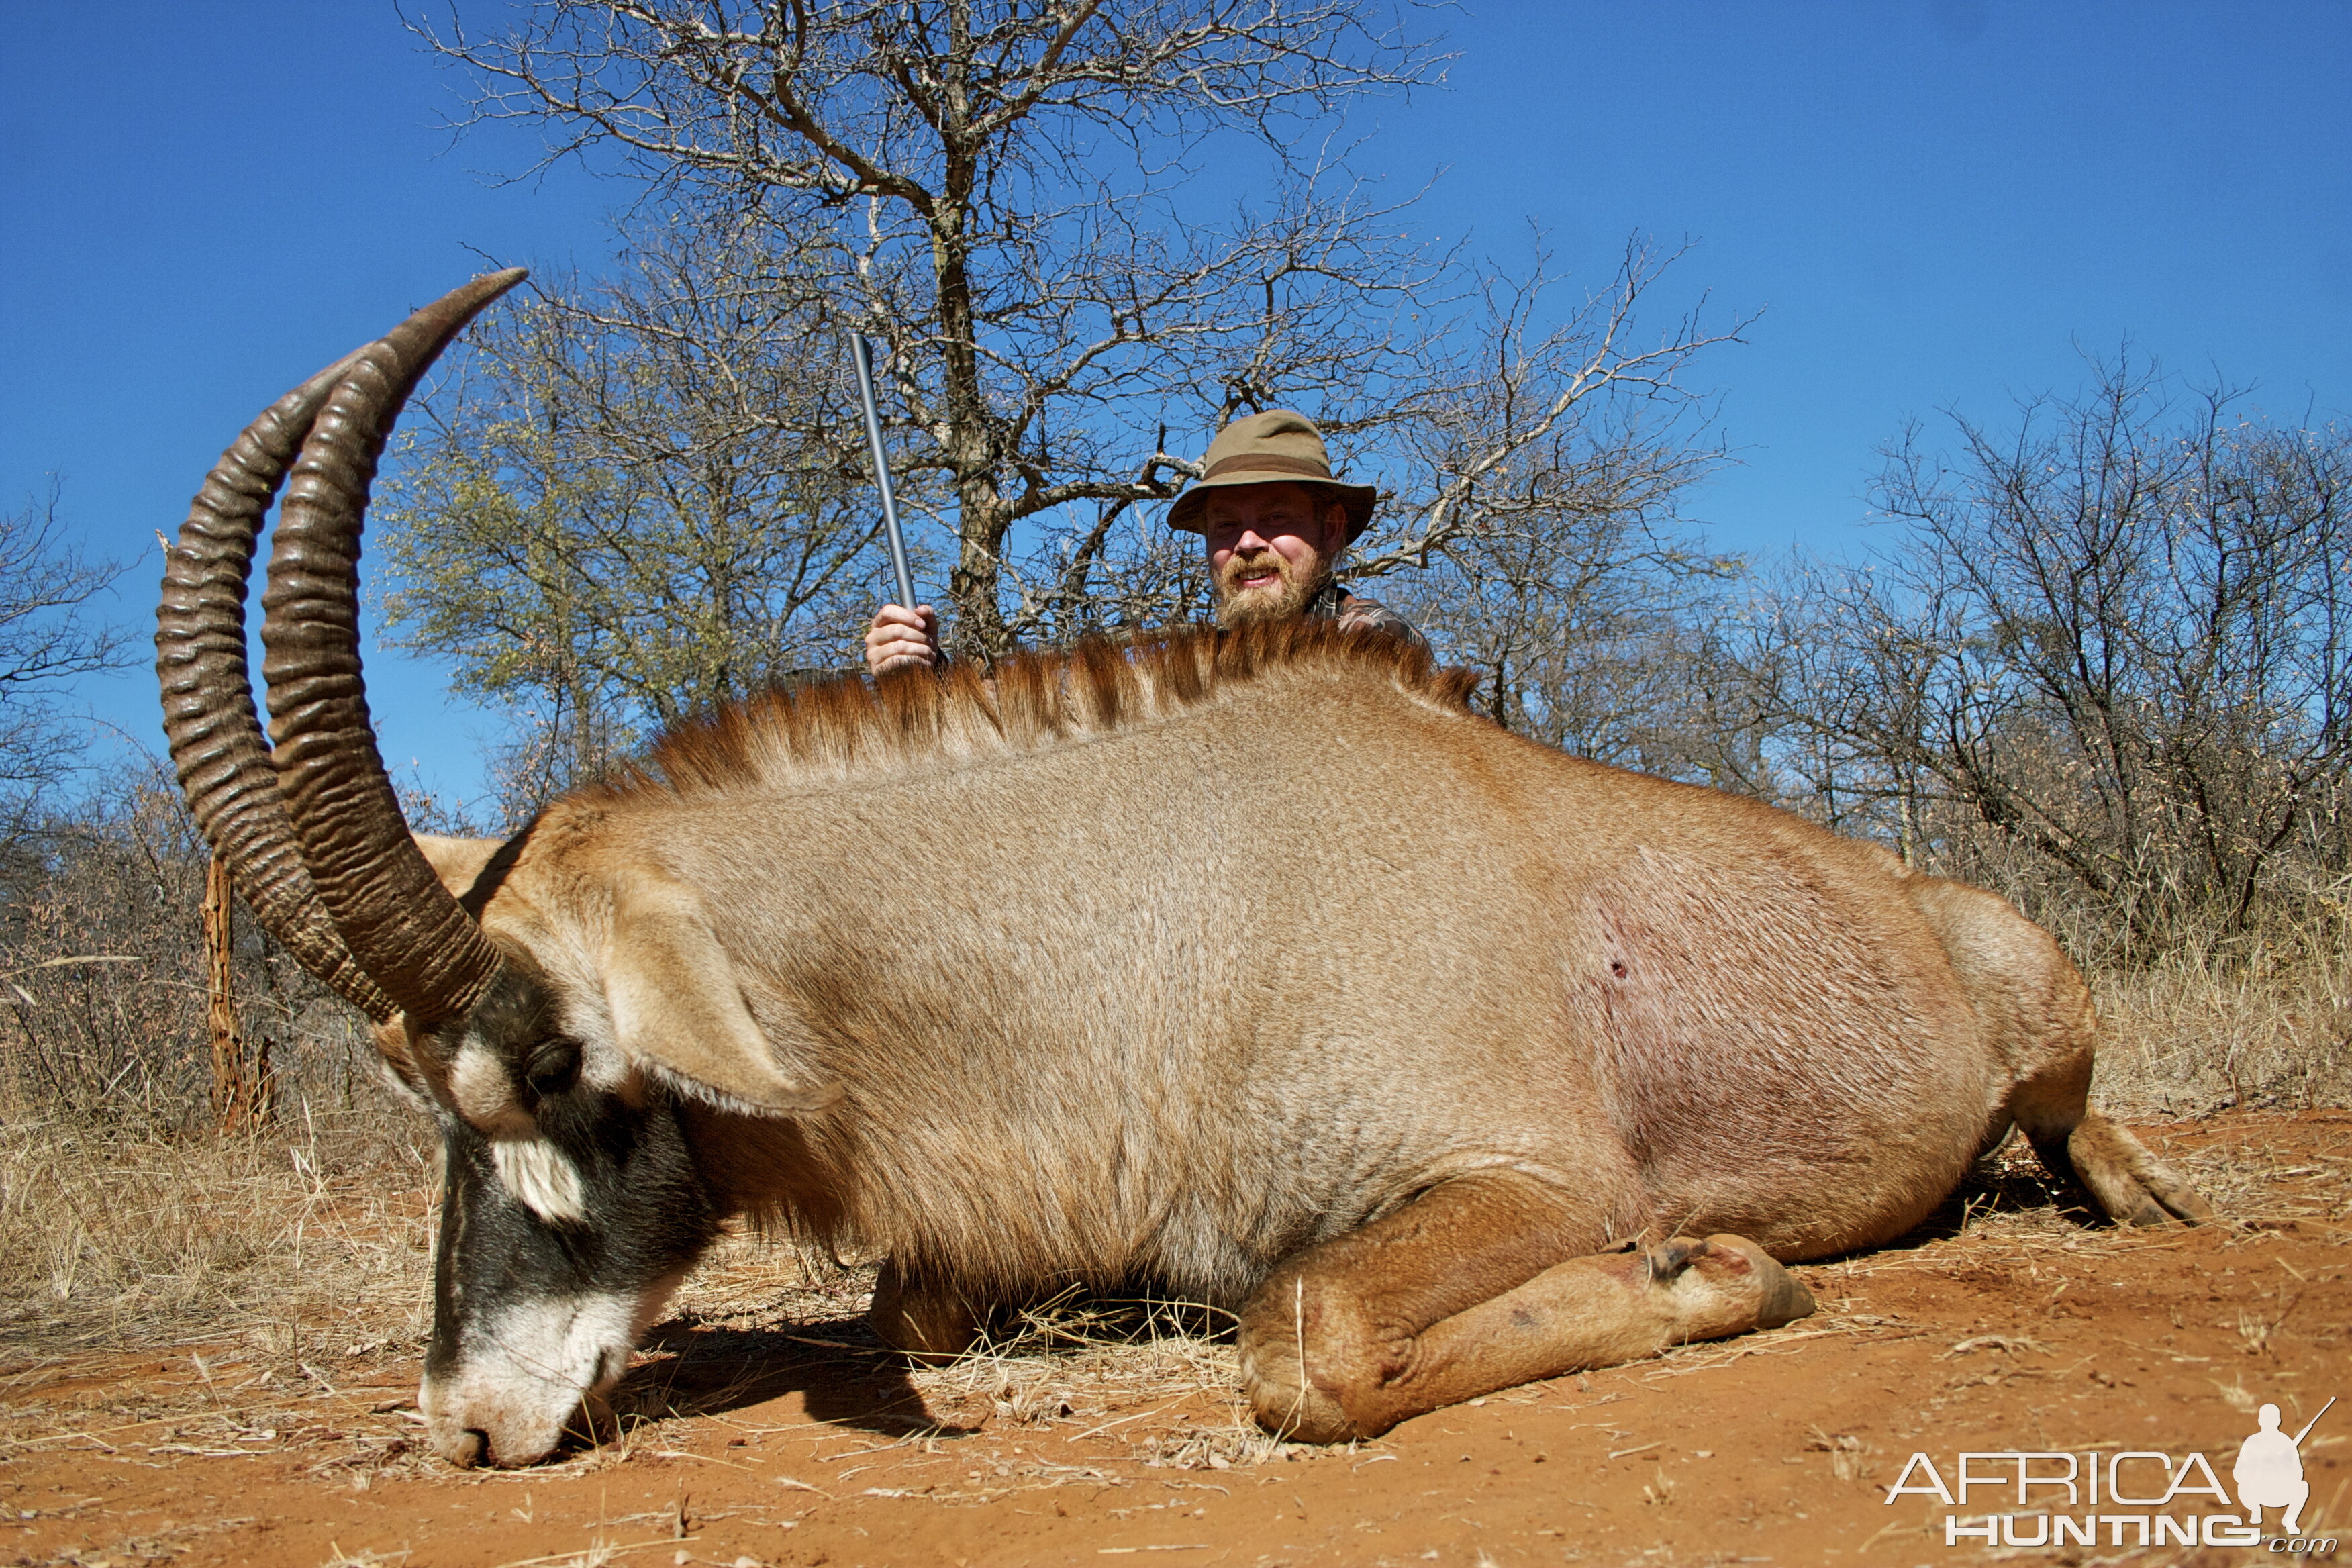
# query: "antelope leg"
{"points": [[1350, 1338], [2129, 1182]]}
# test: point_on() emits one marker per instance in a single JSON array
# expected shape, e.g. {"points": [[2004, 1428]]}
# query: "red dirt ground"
{"points": [[2005, 1325]]}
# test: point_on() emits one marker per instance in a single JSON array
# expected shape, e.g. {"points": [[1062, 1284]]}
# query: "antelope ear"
{"points": [[676, 1005], [457, 861], [401, 1073]]}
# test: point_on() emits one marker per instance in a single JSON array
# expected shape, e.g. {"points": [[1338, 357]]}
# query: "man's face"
{"points": [[1268, 553]]}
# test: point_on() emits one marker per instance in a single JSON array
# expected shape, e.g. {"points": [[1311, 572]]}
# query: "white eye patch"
{"points": [[541, 1178], [483, 1091]]}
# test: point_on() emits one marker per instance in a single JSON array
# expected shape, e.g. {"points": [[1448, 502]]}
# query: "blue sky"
{"points": [[1933, 205]]}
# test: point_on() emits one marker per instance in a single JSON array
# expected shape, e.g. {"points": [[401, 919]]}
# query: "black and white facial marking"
{"points": [[565, 1224]]}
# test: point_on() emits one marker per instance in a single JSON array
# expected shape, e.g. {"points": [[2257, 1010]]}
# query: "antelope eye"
{"points": [[553, 1068]]}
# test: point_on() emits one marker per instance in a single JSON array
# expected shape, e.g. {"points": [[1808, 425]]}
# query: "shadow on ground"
{"points": [[1998, 1186], [842, 1372]]}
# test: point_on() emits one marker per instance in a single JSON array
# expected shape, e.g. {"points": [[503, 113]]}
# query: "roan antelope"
{"points": [[1435, 1093]]}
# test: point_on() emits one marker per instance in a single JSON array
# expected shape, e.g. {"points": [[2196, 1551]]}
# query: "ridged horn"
{"points": [[208, 717], [404, 927]]}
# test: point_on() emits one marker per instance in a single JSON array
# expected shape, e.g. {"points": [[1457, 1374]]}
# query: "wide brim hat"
{"points": [[1272, 447]]}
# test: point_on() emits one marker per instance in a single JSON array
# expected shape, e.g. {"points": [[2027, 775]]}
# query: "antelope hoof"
{"points": [[1295, 1409], [1740, 1287]]}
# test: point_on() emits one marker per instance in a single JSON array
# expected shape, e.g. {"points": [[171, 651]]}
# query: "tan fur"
{"points": [[1099, 1010]]}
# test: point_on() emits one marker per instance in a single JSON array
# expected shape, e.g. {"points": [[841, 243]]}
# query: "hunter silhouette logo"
{"points": [[2268, 1471], [2156, 1491]]}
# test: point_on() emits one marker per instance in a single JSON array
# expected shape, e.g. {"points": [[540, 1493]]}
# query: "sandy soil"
{"points": [[766, 1430]]}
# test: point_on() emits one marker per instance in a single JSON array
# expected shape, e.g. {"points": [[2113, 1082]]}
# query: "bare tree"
{"points": [[110, 1009], [1548, 512], [2115, 635], [1007, 195], [49, 639]]}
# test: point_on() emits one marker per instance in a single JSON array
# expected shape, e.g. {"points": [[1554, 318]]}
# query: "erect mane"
{"points": [[848, 729]]}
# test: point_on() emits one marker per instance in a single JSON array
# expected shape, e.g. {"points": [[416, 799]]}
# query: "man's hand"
{"points": [[901, 638]]}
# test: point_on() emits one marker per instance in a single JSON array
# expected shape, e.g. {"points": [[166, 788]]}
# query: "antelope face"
{"points": [[569, 1214], [572, 1204]]}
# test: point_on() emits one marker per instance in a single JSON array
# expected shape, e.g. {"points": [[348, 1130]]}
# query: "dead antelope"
{"points": [[1434, 1094]]}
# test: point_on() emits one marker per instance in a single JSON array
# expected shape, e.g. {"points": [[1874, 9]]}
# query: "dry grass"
{"points": [[319, 1229], [173, 1295], [2188, 1035], [1098, 1367]]}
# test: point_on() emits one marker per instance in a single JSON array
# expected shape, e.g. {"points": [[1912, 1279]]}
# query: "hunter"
{"points": [[1273, 519]]}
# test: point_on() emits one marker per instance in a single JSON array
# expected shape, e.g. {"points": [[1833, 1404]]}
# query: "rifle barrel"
{"points": [[2307, 1426], [861, 354]]}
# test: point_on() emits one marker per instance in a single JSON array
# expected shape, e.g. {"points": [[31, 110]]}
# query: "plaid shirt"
{"points": [[1333, 601]]}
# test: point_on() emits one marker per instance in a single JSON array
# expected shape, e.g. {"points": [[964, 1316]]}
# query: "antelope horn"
{"points": [[216, 738], [398, 922]]}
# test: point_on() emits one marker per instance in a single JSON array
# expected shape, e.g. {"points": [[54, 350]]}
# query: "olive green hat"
{"points": [[1269, 449]]}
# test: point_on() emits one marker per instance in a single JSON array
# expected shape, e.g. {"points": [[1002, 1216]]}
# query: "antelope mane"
{"points": [[847, 730]]}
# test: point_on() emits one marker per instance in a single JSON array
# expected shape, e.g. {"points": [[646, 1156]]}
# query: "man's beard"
{"points": [[1294, 585]]}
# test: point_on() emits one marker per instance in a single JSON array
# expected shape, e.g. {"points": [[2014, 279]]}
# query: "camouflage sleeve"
{"points": [[1355, 610]]}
